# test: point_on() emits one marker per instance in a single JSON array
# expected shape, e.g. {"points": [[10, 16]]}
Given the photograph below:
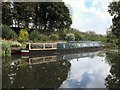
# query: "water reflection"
{"points": [[113, 79], [35, 76], [87, 73], [80, 70]]}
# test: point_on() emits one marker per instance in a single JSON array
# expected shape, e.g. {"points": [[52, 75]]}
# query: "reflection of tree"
{"points": [[48, 75], [113, 79]]}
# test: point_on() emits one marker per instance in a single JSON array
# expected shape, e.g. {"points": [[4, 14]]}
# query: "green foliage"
{"points": [[6, 16], [43, 37], [114, 10], [22, 13], [70, 37], [23, 35], [111, 40], [45, 16], [35, 36], [15, 44], [113, 79], [54, 37], [78, 37], [8, 33], [90, 35], [6, 49], [62, 34], [39, 13], [57, 14]]}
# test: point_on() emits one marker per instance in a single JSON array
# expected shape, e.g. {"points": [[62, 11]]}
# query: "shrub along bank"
{"points": [[6, 47]]}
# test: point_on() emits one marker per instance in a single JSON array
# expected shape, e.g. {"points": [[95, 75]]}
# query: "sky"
{"points": [[90, 15]]}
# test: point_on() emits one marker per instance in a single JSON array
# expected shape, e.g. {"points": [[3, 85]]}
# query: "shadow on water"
{"points": [[113, 79]]}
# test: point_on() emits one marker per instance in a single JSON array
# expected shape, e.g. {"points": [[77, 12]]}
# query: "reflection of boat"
{"points": [[32, 61], [40, 60], [76, 55], [26, 60], [59, 48]]}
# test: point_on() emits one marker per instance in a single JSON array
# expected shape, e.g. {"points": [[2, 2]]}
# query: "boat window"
{"points": [[54, 45], [36, 46], [63, 45], [48, 45]]}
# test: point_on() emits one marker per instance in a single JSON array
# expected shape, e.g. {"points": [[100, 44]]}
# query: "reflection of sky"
{"points": [[87, 73]]}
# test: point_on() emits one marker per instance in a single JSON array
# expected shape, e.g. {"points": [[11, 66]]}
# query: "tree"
{"points": [[46, 16], [6, 14], [70, 37], [35, 36], [8, 33], [90, 35], [114, 10], [78, 37], [23, 35], [54, 37], [51, 16], [113, 79], [111, 39], [23, 13]]}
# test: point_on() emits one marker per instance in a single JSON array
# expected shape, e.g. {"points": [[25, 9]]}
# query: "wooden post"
{"points": [[52, 46], [29, 46], [43, 46]]}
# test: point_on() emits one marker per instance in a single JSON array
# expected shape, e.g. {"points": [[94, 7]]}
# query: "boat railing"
{"points": [[40, 60], [42, 46]]}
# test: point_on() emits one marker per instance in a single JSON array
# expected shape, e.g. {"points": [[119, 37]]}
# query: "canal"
{"points": [[79, 70]]}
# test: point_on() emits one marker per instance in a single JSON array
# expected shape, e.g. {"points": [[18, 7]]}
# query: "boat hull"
{"points": [[60, 51]]}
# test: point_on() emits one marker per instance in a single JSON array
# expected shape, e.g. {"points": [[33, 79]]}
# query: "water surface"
{"points": [[79, 70]]}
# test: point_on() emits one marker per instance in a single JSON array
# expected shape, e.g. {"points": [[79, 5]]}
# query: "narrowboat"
{"points": [[60, 47]]}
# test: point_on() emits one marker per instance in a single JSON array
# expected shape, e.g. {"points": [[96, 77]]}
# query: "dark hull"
{"points": [[62, 51]]}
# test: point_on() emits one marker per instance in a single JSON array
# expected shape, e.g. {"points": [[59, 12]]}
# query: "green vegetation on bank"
{"points": [[7, 33], [111, 40], [6, 47], [25, 35]]}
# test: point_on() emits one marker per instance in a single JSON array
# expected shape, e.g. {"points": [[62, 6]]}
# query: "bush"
{"points": [[23, 35], [43, 37], [70, 37], [6, 50], [54, 37], [78, 37], [35, 36], [8, 33], [15, 44], [6, 47]]}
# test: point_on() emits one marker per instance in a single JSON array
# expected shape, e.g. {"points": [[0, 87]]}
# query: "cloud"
{"points": [[90, 15], [84, 73]]}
